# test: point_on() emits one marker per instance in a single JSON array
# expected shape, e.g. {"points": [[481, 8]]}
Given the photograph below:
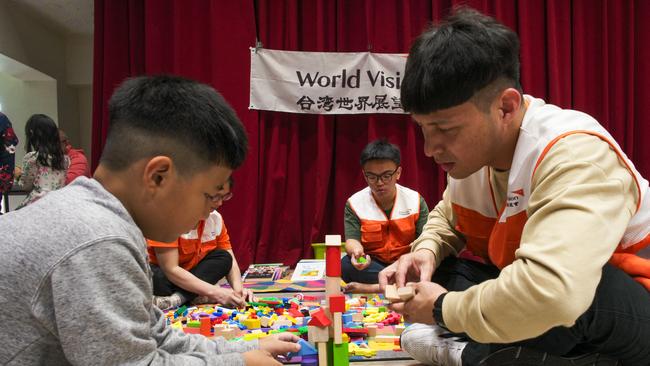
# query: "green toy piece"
{"points": [[361, 260], [337, 354]]}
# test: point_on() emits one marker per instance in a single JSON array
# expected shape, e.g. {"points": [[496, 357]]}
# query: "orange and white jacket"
{"points": [[193, 246], [387, 238], [570, 200]]}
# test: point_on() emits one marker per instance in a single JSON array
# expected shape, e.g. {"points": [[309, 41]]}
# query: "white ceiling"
{"points": [[71, 17]]}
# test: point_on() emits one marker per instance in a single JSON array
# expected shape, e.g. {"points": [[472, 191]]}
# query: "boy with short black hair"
{"points": [[188, 269], [381, 220], [75, 279]]}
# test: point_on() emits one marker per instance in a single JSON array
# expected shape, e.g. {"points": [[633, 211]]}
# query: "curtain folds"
{"points": [[582, 54]]}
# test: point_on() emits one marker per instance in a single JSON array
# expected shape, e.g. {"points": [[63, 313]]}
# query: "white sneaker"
{"points": [[432, 345]]}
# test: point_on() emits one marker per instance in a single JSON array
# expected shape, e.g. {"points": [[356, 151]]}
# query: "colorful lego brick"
{"points": [[252, 323], [180, 311], [206, 327]]}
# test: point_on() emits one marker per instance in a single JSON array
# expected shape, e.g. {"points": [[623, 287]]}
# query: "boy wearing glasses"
{"points": [[381, 220], [187, 270]]}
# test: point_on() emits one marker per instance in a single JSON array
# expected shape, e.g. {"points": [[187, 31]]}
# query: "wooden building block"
{"points": [[372, 330], [336, 303], [399, 329], [337, 328], [406, 293], [332, 285], [391, 293], [357, 317], [317, 334], [333, 240], [322, 353]]}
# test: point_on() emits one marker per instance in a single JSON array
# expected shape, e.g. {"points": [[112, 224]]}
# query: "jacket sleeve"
{"points": [[438, 234], [99, 304]]}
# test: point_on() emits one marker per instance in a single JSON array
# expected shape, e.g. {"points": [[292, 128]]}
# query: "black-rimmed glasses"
{"points": [[385, 176]]}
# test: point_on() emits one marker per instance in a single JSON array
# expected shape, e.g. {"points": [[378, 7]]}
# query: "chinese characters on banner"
{"points": [[326, 82]]}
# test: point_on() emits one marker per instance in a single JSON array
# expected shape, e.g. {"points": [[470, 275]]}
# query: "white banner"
{"points": [[326, 82]]}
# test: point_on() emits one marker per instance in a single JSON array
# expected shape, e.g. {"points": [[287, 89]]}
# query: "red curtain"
{"points": [[582, 54]]}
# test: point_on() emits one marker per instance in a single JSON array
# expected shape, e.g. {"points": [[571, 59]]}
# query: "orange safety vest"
{"points": [[193, 246], [383, 238], [494, 233]]}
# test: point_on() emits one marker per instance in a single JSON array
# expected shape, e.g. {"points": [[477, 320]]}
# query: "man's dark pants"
{"points": [[617, 324]]}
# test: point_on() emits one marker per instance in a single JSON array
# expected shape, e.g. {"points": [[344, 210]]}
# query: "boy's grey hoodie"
{"points": [[75, 288]]}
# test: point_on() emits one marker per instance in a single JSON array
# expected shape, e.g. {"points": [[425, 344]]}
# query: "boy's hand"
{"points": [[361, 261], [280, 343], [245, 294], [259, 357], [226, 297]]}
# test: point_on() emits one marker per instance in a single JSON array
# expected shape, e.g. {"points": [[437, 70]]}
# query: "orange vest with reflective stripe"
{"points": [[210, 234], [383, 238], [493, 233]]}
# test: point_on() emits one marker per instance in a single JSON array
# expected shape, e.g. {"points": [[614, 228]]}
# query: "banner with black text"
{"points": [[326, 82]]}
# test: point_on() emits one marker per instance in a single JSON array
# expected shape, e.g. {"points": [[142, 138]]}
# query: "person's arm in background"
{"points": [[234, 279], [422, 218], [234, 276], [26, 175], [168, 262], [353, 246]]}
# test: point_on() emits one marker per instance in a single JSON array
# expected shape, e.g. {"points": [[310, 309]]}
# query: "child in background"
{"points": [[44, 166], [78, 161], [187, 269], [381, 220]]}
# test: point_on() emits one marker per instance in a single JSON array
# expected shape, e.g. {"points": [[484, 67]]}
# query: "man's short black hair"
{"points": [[467, 55], [172, 116], [380, 150]]}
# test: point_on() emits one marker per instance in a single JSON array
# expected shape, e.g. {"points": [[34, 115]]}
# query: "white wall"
{"points": [[68, 60]]}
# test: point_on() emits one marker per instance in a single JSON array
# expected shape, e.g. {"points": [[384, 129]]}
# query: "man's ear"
{"points": [[509, 104], [158, 172]]}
